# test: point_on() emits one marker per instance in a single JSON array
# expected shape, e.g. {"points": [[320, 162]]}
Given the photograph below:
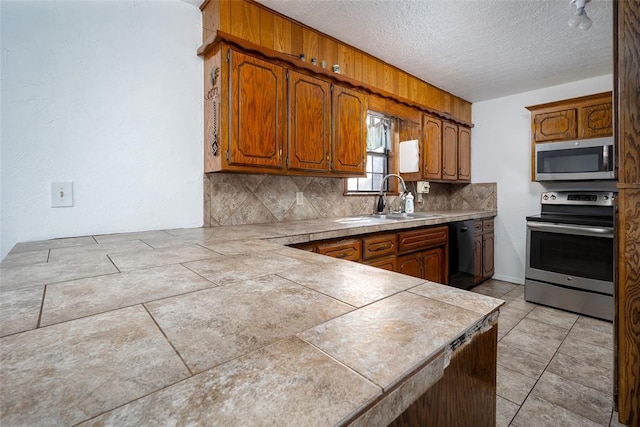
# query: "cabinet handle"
{"points": [[380, 247], [342, 255]]}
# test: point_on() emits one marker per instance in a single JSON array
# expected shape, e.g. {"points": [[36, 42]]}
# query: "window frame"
{"points": [[391, 167]]}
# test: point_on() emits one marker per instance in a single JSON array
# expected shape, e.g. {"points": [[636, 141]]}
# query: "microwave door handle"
{"points": [[579, 230], [605, 157]]}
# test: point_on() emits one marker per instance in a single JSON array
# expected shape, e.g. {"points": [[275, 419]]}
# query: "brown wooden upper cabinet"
{"points": [[575, 118], [258, 112], [310, 123], [446, 150], [449, 151], [349, 131], [464, 154], [261, 117], [431, 148], [570, 119]]}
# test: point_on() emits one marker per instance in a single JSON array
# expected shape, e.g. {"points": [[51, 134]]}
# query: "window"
{"points": [[379, 137]]}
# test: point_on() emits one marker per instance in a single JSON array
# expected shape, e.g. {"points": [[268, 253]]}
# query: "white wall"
{"points": [[501, 152], [107, 94]]}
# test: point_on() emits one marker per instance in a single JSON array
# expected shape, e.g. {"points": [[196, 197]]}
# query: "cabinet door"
{"points": [[410, 265], [464, 154], [487, 255], [309, 123], [449, 151], [434, 265], [386, 263], [258, 112], [431, 148], [555, 126], [596, 121], [349, 131], [477, 259]]}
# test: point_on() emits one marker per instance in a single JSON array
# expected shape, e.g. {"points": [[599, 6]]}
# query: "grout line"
{"points": [[168, 341], [544, 371], [113, 263], [44, 293]]}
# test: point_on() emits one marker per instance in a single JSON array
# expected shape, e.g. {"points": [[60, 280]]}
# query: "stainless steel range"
{"points": [[570, 252]]}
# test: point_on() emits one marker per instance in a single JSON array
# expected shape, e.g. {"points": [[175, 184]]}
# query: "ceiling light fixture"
{"points": [[579, 18]]}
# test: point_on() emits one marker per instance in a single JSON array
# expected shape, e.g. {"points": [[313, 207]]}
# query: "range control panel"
{"points": [[589, 198]]}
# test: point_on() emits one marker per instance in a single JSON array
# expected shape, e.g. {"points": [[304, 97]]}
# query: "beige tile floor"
{"points": [[554, 368]]}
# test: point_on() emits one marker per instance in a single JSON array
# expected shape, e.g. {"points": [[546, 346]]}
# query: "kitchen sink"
{"points": [[358, 219], [406, 216]]}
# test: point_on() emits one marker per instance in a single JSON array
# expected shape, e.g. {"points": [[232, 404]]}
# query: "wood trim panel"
{"points": [[581, 100], [381, 79], [627, 101], [466, 394]]}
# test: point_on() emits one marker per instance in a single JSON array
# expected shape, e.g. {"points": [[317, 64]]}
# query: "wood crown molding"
{"points": [[292, 61]]}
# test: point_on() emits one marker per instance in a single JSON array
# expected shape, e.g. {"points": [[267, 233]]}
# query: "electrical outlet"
{"points": [[423, 187], [299, 198], [61, 194]]}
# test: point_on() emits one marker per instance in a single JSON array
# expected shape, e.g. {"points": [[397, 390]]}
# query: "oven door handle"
{"points": [[580, 230]]}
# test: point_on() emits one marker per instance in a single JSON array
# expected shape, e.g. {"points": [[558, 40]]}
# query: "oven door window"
{"points": [[572, 255]]}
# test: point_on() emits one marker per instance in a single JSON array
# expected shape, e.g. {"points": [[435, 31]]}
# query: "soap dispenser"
{"points": [[408, 203]]}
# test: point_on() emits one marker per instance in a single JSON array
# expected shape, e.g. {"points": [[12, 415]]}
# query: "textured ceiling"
{"points": [[475, 49]]}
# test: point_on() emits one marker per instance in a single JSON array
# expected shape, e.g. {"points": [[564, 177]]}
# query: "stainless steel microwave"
{"points": [[580, 160]]}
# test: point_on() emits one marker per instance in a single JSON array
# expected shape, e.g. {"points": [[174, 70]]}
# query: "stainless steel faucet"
{"points": [[382, 196]]}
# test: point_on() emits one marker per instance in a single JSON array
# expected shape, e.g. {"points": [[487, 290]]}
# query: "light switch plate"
{"points": [[423, 187], [61, 194], [299, 198]]}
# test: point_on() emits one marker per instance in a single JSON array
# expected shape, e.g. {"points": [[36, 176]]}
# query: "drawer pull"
{"points": [[380, 247], [342, 255]]}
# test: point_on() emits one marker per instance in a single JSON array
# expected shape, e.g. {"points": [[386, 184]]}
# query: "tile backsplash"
{"points": [[231, 199]]}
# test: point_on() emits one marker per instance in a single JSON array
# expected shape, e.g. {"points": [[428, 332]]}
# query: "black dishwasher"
{"points": [[461, 267]]}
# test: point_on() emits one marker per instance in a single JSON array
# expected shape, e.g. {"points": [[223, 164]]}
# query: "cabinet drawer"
{"points": [[477, 227], [350, 249], [386, 263], [487, 225], [379, 245], [422, 238]]}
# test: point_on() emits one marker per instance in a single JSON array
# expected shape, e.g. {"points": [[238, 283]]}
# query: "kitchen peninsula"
{"points": [[227, 326]]}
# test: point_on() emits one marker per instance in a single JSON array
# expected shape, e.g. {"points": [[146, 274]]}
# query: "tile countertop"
{"points": [[222, 326]]}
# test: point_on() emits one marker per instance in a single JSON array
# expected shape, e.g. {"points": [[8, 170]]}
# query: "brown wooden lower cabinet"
{"points": [[421, 252], [429, 264], [434, 264], [483, 250], [424, 253], [411, 264], [466, 394], [386, 263], [349, 249]]}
